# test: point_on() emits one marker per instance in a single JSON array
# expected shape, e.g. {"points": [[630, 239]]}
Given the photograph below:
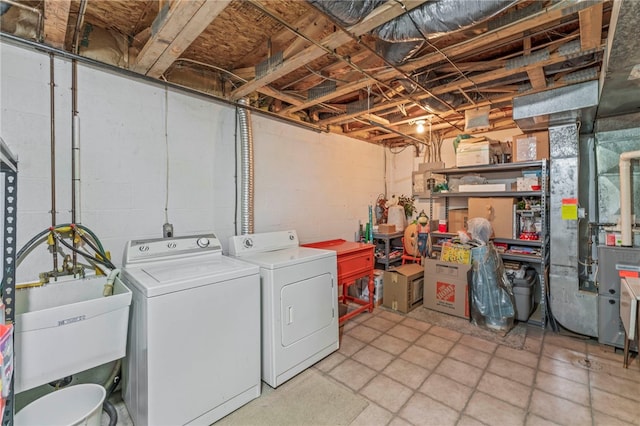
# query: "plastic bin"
{"points": [[75, 405], [524, 295]]}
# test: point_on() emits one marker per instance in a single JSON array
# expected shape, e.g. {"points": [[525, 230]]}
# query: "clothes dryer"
{"points": [[193, 352], [299, 301]]}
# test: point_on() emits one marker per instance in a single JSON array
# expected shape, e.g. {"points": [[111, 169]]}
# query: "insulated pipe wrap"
{"points": [[246, 158]]}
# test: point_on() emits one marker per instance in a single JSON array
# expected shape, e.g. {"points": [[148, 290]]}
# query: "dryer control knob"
{"points": [[203, 242], [248, 243]]}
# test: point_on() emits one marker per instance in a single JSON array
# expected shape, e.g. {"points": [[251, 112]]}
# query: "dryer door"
{"points": [[307, 306], [299, 317]]}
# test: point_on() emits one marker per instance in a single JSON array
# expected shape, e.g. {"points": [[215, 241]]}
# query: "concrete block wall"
{"points": [[319, 184]]}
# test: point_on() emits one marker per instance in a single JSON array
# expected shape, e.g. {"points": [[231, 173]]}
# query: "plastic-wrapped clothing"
{"points": [[492, 299], [480, 229]]}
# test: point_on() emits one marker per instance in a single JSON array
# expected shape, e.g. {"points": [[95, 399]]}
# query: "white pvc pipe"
{"points": [[625, 196]]}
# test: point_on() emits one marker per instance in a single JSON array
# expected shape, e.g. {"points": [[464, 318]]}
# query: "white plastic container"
{"points": [[75, 405], [66, 327]]}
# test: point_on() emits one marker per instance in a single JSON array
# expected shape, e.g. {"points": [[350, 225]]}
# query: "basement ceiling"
{"points": [[368, 69]]}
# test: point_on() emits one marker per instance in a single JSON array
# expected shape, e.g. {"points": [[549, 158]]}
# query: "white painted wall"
{"points": [[319, 184]]}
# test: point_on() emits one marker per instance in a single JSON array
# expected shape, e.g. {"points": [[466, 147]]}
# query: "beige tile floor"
{"points": [[415, 373]]}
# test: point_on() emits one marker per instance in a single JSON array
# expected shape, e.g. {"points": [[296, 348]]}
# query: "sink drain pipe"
{"points": [[246, 160]]}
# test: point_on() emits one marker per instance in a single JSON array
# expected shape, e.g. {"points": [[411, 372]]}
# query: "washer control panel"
{"points": [[137, 251]]}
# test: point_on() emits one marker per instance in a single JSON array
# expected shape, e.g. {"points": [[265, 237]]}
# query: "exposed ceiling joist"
{"points": [[554, 13], [591, 27], [379, 16], [487, 77], [312, 68], [177, 25], [56, 18], [537, 78]]}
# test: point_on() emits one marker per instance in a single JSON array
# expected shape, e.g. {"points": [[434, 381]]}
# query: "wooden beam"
{"points": [[379, 16], [591, 26], [310, 28], [175, 28], [526, 46], [553, 13], [487, 77], [56, 18], [537, 78]]}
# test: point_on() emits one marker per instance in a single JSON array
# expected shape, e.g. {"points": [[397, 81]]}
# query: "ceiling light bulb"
{"points": [[420, 126]]}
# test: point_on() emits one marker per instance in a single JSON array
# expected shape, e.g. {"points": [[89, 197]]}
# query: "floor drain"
{"points": [[589, 364]]}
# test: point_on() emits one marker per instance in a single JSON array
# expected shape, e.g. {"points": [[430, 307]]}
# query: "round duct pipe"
{"points": [[625, 196], [246, 159]]}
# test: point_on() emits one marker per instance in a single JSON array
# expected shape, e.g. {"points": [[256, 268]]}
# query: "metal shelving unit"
{"points": [[9, 170], [386, 240], [509, 170]]}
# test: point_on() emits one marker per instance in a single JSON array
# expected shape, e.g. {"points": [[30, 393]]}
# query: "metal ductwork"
{"points": [[571, 306], [620, 77], [566, 111], [246, 159], [570, 104]]}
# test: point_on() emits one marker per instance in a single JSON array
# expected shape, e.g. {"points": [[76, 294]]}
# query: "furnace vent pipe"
{"points": [[246, 160], [625, 195]]}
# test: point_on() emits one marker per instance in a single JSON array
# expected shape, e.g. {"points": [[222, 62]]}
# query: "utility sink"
{"points": [[66, 327]]}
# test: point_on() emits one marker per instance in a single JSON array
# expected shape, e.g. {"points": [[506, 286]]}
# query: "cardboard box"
{"points": [[499, 211], [446, 287], [458, 219], [403, 287], [473, 154], [525, 183], [385, 228], [530, 146]]}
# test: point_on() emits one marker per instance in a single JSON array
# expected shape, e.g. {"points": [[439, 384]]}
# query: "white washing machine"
{"points": [[193, 351], [299, 301]]}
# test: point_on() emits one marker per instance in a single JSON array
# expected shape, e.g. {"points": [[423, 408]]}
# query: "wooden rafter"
{"points": [[56, 17], [487, 77], [178, 24], [591, 26], [553, 13], [537, 78], [378, 17]]}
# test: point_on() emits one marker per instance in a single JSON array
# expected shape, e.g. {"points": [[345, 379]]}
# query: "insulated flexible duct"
{"points": [[408, 31], [246, 150], [437, 18]]}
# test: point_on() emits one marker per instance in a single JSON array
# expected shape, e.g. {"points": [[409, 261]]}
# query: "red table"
{"points": [[355, 260]]}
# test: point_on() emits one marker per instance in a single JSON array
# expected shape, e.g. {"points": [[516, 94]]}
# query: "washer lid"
{"points": [[162, 277], [286, 257]]}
